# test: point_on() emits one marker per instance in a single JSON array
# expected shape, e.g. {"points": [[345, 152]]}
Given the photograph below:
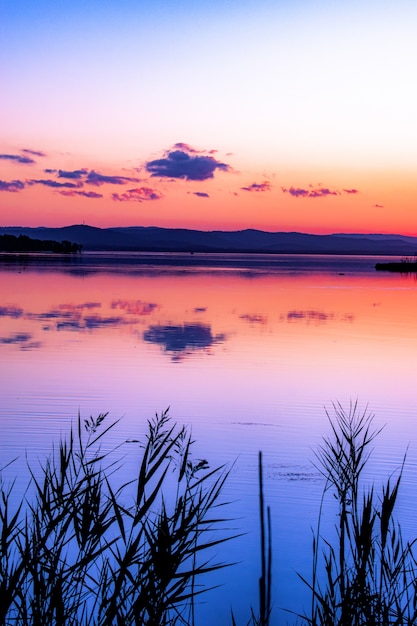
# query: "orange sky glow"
{"points": [[292, 116]]}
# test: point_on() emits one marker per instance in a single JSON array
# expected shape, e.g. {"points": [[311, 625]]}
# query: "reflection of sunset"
{"points": [[247, 358]]}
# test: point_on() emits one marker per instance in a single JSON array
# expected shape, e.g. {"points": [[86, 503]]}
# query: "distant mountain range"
{"points": [[155, 239]]}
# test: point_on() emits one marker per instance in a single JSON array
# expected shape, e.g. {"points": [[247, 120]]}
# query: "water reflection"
{"points": [[259, 358], [183, 340]]}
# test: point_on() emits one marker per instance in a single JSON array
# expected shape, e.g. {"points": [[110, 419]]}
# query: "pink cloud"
{"points": [[316, 192], [85, 194], [140, 194], [265, 186]]}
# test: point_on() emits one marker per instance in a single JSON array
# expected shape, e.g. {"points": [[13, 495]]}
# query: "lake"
{"points": [[246, 351]]}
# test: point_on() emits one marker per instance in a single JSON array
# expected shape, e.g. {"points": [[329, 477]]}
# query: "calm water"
{"points": [[246, 354]]}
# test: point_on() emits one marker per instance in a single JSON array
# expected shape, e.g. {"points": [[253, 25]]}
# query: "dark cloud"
{"points": [[185, 163], [94, 178], [141, 194], [38, 153], [54, 183], [77, 174], [17, 158], [85, 194], [182, 339], [351, 191], [265, 186], [49, 171], [13, 185], [318, 192], [201, 194]]}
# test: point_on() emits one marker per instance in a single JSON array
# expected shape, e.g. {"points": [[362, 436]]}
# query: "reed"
{"points": [[79, 552], [368, 576]]}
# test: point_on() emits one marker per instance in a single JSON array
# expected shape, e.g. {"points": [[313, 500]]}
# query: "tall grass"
{"points": [[80, 548], [369, 575], [82, 551]]}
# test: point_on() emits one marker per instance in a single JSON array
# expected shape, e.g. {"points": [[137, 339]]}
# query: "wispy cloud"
{"points": [[38, 153], [319, 192], [13, 185], [141, 194], [85, 194], [186, 163], [94, 178], [200, 194], [54, 183], [17, 158], [316, 192], [265, 186], [77, 174]]}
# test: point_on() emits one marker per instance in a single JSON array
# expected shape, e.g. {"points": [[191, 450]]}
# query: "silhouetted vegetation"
{"points": [[369, 575], [407, 265], [76, 549], [23, 243]]}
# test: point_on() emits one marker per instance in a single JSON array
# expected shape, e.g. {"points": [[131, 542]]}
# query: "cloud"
{"points": [[187, 164], [38, 153], [94, 178], [17, 158], [13, 185], [85, 194], [77, 174], [201, 194], [54, 183], [265, 186], [318, 192], [141, 194], [378, 206], [49, 171], [186, 147]]}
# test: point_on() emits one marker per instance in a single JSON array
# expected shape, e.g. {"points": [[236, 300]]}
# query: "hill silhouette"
{"points": [[155, 239]]}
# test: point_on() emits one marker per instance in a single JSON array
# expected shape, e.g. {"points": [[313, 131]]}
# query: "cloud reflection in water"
{"points": [[184, 339]]}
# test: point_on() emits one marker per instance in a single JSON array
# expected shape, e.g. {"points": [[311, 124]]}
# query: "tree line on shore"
{"points": [[23, 243]]}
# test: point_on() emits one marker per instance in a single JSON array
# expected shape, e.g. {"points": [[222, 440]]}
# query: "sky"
{"points": [[280, 115]]}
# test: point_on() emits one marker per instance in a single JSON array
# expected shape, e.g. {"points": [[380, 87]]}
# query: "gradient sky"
{"points": [[283, 115]]}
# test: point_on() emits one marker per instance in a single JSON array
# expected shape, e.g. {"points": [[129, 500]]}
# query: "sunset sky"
{"points": [[282, 115]]}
